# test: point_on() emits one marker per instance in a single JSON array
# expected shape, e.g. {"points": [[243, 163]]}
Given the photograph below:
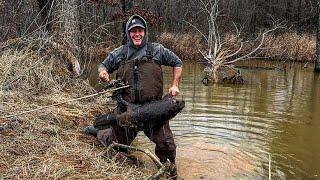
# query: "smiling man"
{"points": [[136, 48], [138, 63], [136, 32]]}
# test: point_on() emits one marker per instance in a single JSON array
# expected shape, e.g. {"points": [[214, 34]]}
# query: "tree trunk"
{"points": [[317, 61], [125, 6], [45, 10], [66, 28], [67, 25]]}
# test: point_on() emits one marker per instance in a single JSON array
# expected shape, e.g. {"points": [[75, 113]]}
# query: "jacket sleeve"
{"points": [[168, 58], [112, 61]]}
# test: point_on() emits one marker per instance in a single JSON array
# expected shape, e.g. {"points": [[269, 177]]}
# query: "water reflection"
{"points": [[275, 112]]}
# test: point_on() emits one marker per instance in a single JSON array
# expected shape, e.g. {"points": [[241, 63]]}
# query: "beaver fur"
{"points": [[148, 115]]}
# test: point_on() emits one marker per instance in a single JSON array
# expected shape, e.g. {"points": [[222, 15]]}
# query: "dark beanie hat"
{"points": [[136, 22]]}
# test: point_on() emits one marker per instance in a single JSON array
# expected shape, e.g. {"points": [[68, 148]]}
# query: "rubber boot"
{"points": [[173, 171]]}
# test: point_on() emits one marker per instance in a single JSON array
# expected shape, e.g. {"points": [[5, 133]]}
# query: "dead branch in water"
{"points": [[218, 53], [162, 168]]}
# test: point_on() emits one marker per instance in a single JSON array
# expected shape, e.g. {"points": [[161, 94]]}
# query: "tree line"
{"points": [[82, 24], [96, 18]]}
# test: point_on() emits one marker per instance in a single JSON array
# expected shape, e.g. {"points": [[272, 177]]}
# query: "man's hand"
{"points": [[104, 76], [174, 90]]}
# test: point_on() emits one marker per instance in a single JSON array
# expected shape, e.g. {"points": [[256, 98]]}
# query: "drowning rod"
{"points": [[71, 100]]}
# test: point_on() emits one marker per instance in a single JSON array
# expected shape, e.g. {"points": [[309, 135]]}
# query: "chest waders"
{"points": [[144, 75]]}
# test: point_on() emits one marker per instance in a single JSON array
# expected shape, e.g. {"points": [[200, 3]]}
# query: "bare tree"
{"points": [[219, 53]]}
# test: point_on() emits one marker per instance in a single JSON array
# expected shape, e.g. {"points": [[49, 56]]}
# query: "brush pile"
{"points": [[49, 143]]}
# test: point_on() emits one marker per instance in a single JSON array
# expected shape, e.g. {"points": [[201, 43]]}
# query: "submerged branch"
{"points": [[162, 167]]}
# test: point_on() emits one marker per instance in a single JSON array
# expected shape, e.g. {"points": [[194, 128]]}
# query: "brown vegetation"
{"points": [[50, 143], [286, 46], [291, 46], [151, 18], [186, 46]]}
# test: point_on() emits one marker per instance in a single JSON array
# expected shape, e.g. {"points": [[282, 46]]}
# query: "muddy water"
{"points": [[228, 132]]}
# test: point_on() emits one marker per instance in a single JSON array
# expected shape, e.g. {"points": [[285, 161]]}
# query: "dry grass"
{"points": [[186, 46], [49, 144], [286, 46], [291, 46]]}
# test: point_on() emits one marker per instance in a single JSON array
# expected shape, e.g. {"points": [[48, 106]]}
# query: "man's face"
{"points": [[137, 35]]}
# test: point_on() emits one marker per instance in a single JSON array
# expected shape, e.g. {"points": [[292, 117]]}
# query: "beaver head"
{"points": [[174, 106]]}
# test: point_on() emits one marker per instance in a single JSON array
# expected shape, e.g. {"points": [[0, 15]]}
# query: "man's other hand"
{"points": [[104, 76], [174, 90]]}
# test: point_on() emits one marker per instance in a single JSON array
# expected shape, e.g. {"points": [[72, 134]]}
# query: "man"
{"points": [[138, 63]]}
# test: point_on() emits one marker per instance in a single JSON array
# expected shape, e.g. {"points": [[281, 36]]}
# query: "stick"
{"points": [[162, 168], [147, 152], [159, 173], [71, 100]]}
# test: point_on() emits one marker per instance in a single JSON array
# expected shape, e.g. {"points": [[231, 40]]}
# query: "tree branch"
{"points": [[162, 168], [259, 45], [197, 30]]}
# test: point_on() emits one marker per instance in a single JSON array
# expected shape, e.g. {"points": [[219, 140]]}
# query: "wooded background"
{"points": [[97, 18], [85, 24]]}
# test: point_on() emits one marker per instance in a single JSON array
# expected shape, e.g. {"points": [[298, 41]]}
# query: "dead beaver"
{"points": [[147, 115]]}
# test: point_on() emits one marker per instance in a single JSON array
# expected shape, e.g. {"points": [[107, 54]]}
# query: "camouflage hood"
{"points": [[145, 39]]}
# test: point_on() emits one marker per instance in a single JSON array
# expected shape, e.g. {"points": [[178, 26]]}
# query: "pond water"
{"points": [[231, 131]]}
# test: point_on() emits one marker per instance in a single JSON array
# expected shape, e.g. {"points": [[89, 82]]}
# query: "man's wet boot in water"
{"points": [[172, 170], [91, 130]]}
